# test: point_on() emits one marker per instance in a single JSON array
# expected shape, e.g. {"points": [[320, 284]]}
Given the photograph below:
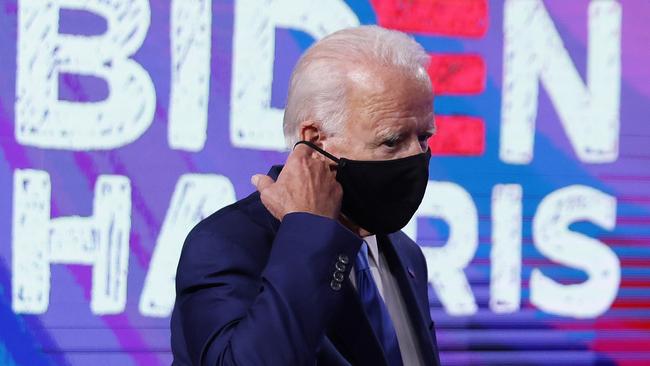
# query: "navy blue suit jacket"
{"points": [[251, 290]]}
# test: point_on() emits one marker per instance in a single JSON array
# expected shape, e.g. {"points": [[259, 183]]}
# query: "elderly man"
{"points": [[312, 268]]}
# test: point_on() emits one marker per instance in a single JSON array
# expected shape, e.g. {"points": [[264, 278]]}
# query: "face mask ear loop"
{"points": [[315, 147]]}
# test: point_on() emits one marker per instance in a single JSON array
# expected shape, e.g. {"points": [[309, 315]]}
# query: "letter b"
{"points": [[42, 119]]}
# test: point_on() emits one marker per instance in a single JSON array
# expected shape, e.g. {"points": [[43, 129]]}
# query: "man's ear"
{"points": [[310, 131]]}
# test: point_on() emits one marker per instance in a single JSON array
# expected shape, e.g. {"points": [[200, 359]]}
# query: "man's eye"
{"points": [[390, 143]]}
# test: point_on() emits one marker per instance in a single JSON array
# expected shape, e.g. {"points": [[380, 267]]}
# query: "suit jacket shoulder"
{"points": [[253, 291], [242, 231]]}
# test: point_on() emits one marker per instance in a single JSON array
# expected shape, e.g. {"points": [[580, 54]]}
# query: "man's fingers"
{"points": [[329, 163], [261, 181]]}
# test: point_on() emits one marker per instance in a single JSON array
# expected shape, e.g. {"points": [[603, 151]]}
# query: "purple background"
{"points": [[68, 333]]}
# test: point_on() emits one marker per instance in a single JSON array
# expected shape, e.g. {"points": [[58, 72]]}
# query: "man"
{"points": [[312, 268]]}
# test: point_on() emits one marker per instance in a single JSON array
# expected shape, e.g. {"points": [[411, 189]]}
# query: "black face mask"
{"points": [[381, 196]]}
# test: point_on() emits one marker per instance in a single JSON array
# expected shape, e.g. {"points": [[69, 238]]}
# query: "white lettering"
{"points": [[42, 119], [190, 33], [455, 206], [253, 122], [505, 255], [196, 196], [555, 241], [101, 241], [533, 50]]}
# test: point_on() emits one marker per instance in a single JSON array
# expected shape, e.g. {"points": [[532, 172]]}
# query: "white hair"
{"points": [[318, 85]]}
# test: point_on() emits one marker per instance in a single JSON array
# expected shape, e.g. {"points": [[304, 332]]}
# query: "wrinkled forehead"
{"points": [[388, 93], [374, 79]]}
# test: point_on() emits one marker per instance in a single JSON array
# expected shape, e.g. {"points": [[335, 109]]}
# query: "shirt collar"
{"points": [[373, 248]]}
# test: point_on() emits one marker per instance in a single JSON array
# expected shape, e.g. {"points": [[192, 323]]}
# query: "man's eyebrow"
{"points": [[389, 134]]}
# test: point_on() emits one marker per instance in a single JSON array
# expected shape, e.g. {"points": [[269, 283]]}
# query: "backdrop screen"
{"points": [[125, 122]]}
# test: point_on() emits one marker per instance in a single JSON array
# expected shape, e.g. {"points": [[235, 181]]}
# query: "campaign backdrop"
{"points": [[125, 122]]}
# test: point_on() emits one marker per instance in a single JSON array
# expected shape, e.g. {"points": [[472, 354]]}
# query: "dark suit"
{"points": [[253, 291]]}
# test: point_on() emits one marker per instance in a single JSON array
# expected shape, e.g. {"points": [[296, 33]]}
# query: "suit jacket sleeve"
{"points": [[229, 317]]}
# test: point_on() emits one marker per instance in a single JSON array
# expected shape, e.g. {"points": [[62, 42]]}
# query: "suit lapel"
{"points": [[351, 332], [399, 265]]}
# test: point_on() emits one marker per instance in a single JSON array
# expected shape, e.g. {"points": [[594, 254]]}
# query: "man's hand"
{"points": [[307, 183]]}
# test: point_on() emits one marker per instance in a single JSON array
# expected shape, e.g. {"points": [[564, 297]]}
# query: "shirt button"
{"points": [[338, 276], [344, 259], [335, 285]]}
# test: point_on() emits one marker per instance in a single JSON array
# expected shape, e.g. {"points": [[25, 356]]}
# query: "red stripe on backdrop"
{"points": [[457, 74], [626, 344], [634, 199], [534, 262], [464, 18], [626, 241], [458, 135], [639, 362], [602, 324], [635, 282], [635, 262], [631, 304], [633, 220], [625, 283]]}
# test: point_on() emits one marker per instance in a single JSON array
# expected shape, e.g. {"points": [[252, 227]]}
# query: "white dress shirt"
{"points": [[390, 293]]}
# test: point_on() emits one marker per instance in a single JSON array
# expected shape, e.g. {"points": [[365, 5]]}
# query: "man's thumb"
{"points": [[261, 181]]}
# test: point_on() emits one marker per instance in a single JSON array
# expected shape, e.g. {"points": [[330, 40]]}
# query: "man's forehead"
{"points": [[381, 96], [368, 85], [368, 78], [380, 77]]}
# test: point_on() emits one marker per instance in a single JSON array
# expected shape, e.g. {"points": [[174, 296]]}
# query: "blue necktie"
{"points": [[375, 308]]}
